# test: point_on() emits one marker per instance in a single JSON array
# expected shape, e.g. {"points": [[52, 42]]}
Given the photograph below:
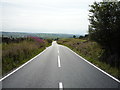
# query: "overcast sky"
{"points": [[51, 16]]}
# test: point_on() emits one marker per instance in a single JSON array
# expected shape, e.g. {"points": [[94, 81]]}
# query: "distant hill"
{"points": [[42, 35]]}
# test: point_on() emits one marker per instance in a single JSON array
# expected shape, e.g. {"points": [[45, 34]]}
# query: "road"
{"points": [[59, 67]]}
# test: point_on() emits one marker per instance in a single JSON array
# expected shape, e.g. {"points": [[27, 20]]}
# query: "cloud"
{"points": [[62, 16]]}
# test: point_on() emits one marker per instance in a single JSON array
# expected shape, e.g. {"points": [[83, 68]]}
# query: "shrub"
{"points": [[16, 53]]}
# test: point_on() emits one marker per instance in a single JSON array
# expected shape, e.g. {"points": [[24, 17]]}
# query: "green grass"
{"points": [[90, 51]]}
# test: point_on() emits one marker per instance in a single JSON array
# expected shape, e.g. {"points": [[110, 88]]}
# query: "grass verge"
{"points": [[15, 53], [90, 51]]}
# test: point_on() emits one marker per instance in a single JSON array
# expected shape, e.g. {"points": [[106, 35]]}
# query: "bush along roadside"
{"points": [[17, 51], [92, 52]]}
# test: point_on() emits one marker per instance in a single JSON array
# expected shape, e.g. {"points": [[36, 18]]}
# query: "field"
{"points": [[92, 52]]}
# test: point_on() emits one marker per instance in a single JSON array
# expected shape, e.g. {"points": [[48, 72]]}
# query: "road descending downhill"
{"points": [[58, 67]]}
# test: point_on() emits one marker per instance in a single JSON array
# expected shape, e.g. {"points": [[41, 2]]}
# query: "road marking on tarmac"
{"points": [[59, 65], [94, 66], [23, 65], [60, 86]]}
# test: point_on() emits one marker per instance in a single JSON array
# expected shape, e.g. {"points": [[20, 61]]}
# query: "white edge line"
{"points": [[95, 66], [59, 65], [22, 65], [60, 85]]}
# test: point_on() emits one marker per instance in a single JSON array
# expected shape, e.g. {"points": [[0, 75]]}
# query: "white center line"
{"points": [[59, 65], [58, 51], [60, 86]]}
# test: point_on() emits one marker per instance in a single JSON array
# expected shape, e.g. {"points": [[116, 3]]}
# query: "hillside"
{"points": [[42, 35]]}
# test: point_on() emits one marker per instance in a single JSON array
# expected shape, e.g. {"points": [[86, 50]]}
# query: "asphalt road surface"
{"points": [[59, 67]]}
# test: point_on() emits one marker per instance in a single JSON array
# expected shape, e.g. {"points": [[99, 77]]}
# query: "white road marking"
{"points": [[58, 51], [59, 65], [60, 86], [94, 66], [23, 65]]}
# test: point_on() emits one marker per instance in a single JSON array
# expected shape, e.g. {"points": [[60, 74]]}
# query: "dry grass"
{"points": [[15, 54], [90, 51]]}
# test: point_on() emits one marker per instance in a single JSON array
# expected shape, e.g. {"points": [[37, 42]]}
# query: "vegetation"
{"points": [[91, 51], [104, 29], [16, 51], [41, 35], [101, 45], [74, 36]]}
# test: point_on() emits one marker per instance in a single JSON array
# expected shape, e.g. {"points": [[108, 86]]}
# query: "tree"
{"points": [[74, 36], [49, 40], [80, 37], [105, 25]]}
